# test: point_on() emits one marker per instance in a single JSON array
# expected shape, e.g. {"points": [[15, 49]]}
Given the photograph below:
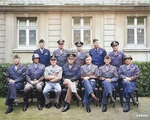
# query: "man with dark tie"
{"points": [[109, 76], [129, 74], [117, 59], [80, 56], [61, 53], [97, 54], [15, 77], [43, 53]]}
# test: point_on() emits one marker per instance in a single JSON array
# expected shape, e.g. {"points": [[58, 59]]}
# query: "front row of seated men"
{"points": [[69, 74]]}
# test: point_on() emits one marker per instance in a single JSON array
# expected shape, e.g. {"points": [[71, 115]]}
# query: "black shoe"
{"points": [[126, 108], [104, 108], [135, 103], [66, 107], [24, 108], [39, 107], [9, 110], [48, 105], [88, 109], [57, 105]]}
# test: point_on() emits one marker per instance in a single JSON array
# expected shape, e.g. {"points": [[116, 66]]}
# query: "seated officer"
{"points": [[117, 58], [34, 77], [129, 74], [61, 53], [89, 73], [53, 75], [108, 74], [71, 73], [80, 56], [97, 54], [43, 53], [15, 76]]}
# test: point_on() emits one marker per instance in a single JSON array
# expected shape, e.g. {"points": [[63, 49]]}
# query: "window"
{"points": [[26, 32], [82, 30], [136, 31]]}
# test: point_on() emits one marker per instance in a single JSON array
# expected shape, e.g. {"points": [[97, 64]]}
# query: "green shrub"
{"points": [[144, 78]]}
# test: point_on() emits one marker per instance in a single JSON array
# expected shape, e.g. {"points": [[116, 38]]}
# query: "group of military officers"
{"points": [[47, 71]]}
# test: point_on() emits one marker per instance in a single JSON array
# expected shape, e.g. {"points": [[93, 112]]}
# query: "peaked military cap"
{"points": [[53, 57], [114, 43], [71, 56], [41, 41], [60, 41], [79, 44]]}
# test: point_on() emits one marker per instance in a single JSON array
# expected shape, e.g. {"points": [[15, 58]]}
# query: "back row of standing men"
{"points": [[70, 68]]}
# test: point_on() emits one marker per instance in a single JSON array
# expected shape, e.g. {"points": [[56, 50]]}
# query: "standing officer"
{"points": [[89, 73], [97, 54], [15, 76], [71, 73], [53, 75], [43, 53], [34, 77], [117, 58], [61, 53], [80, 56], [129, 74], [109, 76]]}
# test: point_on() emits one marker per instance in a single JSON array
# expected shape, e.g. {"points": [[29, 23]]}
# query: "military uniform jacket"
{"points": [[117, 59], [80, 60], [87, 72], [61, 57], [17, 75], [73, 74], [110, 72], [44, 57], [132, 72], [50, 70], [34, 72], [97, 56]]}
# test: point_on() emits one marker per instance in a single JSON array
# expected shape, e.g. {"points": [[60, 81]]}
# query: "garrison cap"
{"points": [[79, 44], [16, 56], [53, 57], [87, 56], [114, 43], [107, 57]]}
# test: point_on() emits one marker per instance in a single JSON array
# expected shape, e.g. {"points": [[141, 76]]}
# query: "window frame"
{"points": [[27, 28], [82, 28], [135, 27]]}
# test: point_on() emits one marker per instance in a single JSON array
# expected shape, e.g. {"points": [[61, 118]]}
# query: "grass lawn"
{"points": [[77, 113]]}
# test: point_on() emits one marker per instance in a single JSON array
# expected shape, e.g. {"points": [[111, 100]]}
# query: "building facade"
{"points": [[24, 22]]}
